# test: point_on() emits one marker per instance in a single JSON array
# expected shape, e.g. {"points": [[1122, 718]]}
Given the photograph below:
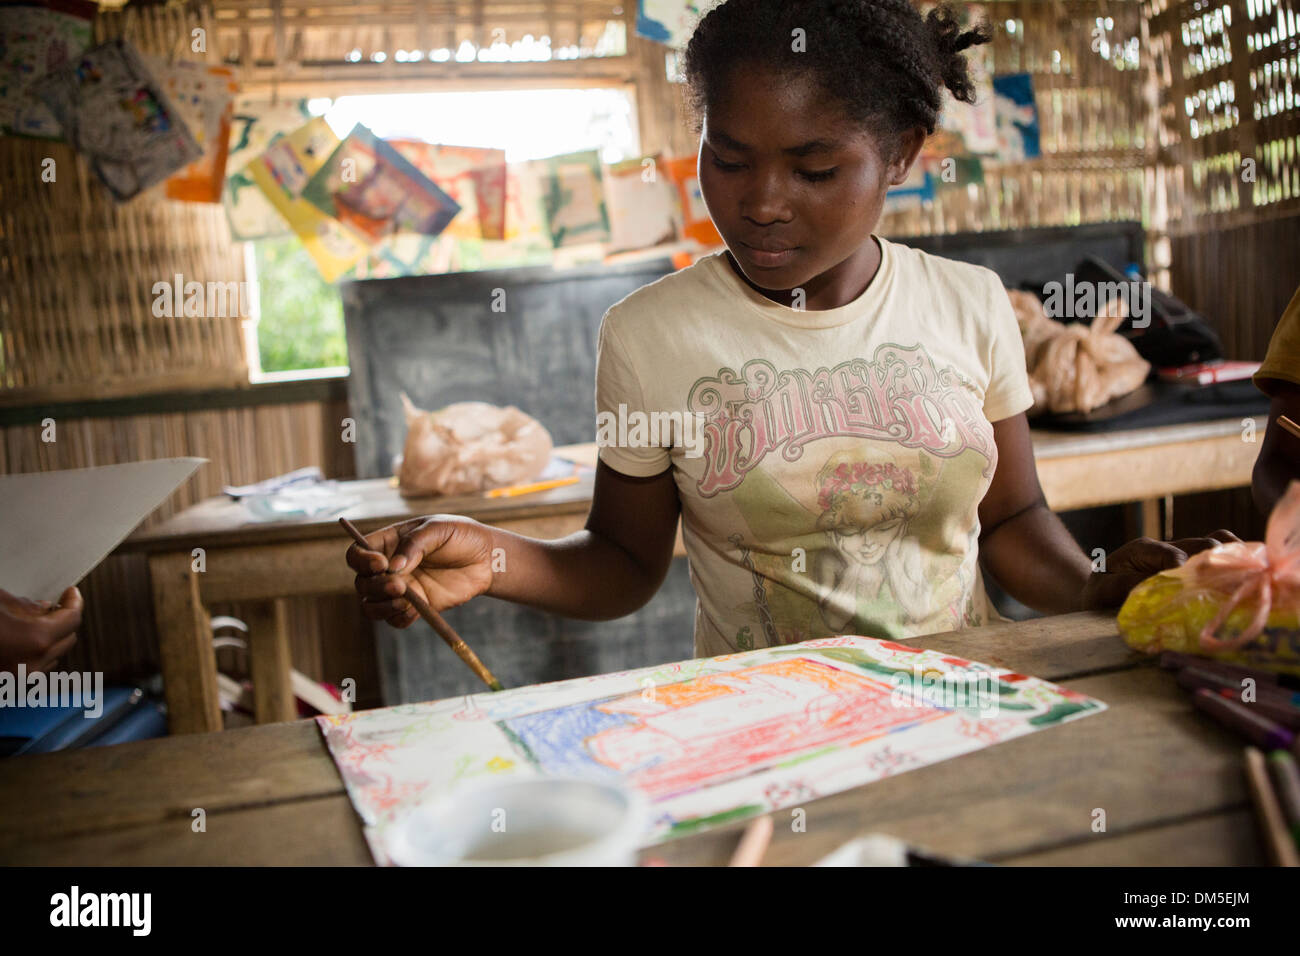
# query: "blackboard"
{"points": [[523, 337], [1030, 257]]}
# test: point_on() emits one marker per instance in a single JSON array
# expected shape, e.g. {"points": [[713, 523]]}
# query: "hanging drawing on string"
{"points": [[707, 741], [113, 110]]}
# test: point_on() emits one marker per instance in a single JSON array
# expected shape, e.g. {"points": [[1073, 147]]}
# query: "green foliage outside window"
{"points": [[301, 325]]}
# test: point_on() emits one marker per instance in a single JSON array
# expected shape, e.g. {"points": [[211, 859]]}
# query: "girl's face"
{"points": [[869, 545], [794, 187]]}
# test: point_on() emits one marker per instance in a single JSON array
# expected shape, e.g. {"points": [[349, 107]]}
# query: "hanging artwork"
{"points": [[114, 111], [474, 177], [1017, 114], [696, 223], [369, 186], [639, 196], [574, 199], [670, 22], [253, 126], [525, 216], [203, 96], [708, 741], [914, 191], [407, 254], [36, 39], [282, 172]]}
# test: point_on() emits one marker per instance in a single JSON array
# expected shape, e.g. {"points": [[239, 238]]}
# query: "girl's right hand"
{"points": [[446, 559]]}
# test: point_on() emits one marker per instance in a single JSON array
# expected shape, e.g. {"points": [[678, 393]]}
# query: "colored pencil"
{"points": [[535, 486], [1286, 784], [1281, 848], [441, 627]]}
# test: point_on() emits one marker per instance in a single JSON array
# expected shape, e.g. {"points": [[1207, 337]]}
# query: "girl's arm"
{"points": [[612, 567], [609, 569], [1032, 555]]}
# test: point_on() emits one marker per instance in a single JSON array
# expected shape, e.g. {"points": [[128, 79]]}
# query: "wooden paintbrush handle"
{"points": [[435, 620], [454, 641]]}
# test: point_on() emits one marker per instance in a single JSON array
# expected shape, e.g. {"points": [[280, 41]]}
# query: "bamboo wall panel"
{"points": [[77, 270], [1096, 115], [1241, 277], [1230, 124]]}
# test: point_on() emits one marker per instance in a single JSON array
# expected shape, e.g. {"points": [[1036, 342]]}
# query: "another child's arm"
{"points": [[609, 569], [1032, 555], [36, 633]]}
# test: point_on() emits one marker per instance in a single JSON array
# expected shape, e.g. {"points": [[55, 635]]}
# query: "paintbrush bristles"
{"points": [[440, 626]]}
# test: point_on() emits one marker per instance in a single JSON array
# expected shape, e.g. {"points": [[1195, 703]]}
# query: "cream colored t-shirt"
{"points": [[845, 451]]}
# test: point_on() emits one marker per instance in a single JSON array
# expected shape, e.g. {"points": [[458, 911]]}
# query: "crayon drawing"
{"points": [[708, 741], [715, 728]]}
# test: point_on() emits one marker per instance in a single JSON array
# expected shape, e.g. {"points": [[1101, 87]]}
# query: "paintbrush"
{"points": [[1289, 425], [435, 620]]}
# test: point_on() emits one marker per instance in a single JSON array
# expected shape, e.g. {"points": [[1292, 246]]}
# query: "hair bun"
{"points": [[949, 42]]}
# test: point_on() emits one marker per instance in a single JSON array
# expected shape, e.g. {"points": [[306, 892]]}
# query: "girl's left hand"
{"points": [[1138, 560]]}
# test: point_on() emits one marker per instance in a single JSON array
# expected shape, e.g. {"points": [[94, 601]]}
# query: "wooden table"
{"points": [[263, 564], [1169, 782]]}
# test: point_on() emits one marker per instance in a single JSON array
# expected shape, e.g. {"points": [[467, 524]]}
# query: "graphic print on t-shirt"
{"points": [[852, 478]]}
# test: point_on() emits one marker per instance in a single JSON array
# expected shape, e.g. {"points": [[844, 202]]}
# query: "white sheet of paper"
{"points": [[55, 526]]}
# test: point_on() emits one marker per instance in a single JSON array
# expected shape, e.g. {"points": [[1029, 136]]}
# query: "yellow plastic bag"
{"points": [[1237, 602]]}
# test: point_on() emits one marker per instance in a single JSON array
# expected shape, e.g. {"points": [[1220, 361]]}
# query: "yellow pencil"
{"points": [[535, 486]]}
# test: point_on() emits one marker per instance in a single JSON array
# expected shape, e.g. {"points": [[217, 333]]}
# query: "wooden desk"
{"points": [[1168, 780], [265, 563]]}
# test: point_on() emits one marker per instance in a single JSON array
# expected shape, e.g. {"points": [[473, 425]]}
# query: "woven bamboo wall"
{"points": [[1230, 117], [1096, 118], [1230, 78], [77, 270], [1230, 136]]}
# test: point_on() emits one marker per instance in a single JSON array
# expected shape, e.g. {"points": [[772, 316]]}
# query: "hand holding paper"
{"points": [[36, 633]]}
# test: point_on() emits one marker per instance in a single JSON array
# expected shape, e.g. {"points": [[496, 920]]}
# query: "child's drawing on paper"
{"points": [[698, 733], [710, 741]]}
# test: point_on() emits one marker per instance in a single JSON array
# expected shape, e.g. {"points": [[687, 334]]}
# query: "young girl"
{"points": [[862, 403]]}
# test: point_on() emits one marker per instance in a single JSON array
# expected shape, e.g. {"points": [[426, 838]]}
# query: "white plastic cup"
{"points": [[528, 821]]}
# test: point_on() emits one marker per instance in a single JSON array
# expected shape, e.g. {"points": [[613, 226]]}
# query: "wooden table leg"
{"points": [[1149, 510], [269, 661], [189, 665]]}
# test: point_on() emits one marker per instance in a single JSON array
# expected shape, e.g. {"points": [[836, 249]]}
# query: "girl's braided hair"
{"points": [[881, 59]]}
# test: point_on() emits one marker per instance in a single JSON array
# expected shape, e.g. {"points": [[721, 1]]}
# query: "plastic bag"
{"points": [[1076, 367], [468, 447], [1237, 602]]}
